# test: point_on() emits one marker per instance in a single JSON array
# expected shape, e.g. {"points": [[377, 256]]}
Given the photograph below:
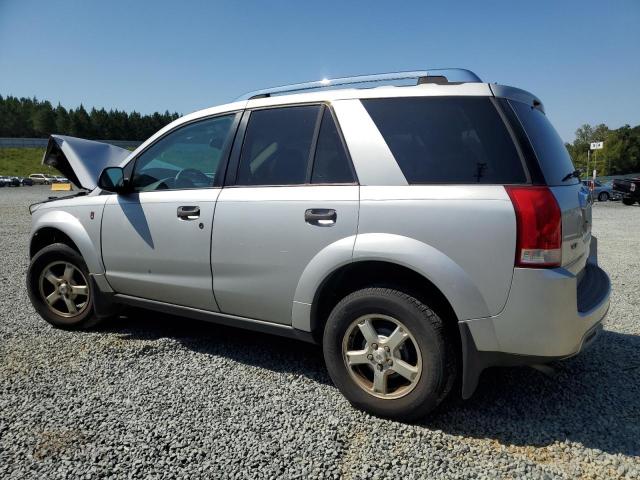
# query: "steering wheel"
{"points": [[190, 177]]}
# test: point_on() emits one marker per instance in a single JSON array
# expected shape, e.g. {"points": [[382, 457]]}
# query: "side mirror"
{"points": [[112, 180]]}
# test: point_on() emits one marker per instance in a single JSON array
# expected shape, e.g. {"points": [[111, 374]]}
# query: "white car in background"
{"points": [[40, 179]]}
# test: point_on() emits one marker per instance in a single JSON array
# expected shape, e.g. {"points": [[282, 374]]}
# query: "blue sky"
{"points": [[581, 57]]}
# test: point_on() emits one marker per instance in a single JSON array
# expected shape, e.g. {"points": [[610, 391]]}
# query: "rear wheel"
{"points": [[628, 201], [603, 196], [59, 288], [388, 353]]}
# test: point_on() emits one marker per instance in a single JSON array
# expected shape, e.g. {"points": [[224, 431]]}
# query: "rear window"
{"points": [[552, 155], [448, 140]]}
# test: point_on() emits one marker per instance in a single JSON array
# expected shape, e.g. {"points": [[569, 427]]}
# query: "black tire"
{"points": [[438, 353], [628, 201], [603, 196], [55, 254]]}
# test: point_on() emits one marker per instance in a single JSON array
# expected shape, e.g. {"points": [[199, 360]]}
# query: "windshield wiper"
{"points": [[575, 173]]}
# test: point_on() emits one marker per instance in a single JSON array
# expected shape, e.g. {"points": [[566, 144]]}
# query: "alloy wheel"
{"points": [[382, 356], [64, 289]]}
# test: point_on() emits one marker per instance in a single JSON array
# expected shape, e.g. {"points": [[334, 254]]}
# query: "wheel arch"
{"points": [[46, 236], [62, 227], [375, 273], [404, 261]]}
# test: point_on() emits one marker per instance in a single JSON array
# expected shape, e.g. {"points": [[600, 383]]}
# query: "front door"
{"points": [[294, 194], [156, 240]]}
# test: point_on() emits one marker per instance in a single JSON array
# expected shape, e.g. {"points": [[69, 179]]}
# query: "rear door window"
{"points": [[277, 146], [551, 153], [448, 140], [331, 164]]}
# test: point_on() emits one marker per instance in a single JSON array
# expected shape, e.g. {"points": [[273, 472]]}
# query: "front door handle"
{"points": [[188, 212], [321, 217]]}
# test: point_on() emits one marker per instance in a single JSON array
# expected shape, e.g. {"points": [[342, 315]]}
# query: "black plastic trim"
{"points": [[314, 144], [216, 317], [231, 167], [474, 362], [103, 303], [594, 286]]}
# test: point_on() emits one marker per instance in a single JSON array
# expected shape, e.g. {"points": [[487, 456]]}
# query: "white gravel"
{"points": [[158, 397]]}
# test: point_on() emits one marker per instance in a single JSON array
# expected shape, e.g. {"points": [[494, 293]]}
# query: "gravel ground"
{"points": [[151, 396]]}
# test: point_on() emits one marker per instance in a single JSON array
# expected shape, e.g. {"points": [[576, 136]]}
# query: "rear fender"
{"points": [[464, 297], [454, 283]]}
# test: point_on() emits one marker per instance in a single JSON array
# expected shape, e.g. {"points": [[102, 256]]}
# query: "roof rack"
{"points": [[438, 75]]}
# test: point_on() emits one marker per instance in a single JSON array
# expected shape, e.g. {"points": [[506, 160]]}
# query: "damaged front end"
{"points": [[80, 160]]}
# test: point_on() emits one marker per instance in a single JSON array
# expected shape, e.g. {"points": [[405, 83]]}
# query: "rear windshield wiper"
{"points": [[575, 173]]}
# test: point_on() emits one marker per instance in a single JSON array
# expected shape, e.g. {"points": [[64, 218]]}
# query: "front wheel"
{"points": [[603, 196], [59, 288], [389, 354], [628, 201]]}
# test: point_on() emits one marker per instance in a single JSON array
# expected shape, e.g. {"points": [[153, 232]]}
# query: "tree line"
{"points": [[620, 153], [33, 118]]}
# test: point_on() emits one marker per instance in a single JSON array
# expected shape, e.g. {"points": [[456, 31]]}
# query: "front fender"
{"points": [[75, 230]]}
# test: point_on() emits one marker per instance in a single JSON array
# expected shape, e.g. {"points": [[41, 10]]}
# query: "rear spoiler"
{"points": [[80, 160]]}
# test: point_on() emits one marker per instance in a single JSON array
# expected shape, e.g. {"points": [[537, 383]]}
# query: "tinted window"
{"points": [[331, 164], [277, 145], [547, 144], [186, 158], [447, 140]]}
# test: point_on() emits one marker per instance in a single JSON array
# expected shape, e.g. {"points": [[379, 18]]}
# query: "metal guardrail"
{"points": [[7, 142]]}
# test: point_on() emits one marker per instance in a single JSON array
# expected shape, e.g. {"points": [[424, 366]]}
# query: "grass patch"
{"points": [[23, 162]]}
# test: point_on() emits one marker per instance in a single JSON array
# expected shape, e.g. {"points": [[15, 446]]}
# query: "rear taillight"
{"points": [[539, 227]]}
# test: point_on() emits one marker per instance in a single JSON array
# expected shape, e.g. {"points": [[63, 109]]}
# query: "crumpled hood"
{"points": [[80, 160]]}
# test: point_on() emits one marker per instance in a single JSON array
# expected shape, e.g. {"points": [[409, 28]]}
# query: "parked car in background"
{"points": [[61, 179], [601, 191], [3, 182], [51, 178], [629, 188], [40, 179], [419, 233], [11, 181], [26, 181]]}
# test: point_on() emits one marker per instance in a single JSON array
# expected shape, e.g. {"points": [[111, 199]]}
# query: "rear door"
{"points": [[293, 192], [573, 197]]}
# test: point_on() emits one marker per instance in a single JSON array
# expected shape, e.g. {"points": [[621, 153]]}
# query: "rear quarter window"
{"points": [[448, 140], [552, 155]]}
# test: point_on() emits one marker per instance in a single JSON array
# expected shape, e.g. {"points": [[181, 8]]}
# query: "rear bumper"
{"points": [[550, 315]]}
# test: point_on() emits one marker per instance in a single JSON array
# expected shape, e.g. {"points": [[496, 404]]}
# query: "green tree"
{"points": [[63, 123], [44, 120], [80, 125]]}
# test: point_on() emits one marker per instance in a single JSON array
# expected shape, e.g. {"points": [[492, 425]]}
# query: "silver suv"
{"points": [[421, 233]]}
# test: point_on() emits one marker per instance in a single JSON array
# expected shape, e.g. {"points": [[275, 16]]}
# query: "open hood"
{"points": [[80, 160]]}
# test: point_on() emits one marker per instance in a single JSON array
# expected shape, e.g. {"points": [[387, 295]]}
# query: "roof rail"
{"points": [[438, 75]]}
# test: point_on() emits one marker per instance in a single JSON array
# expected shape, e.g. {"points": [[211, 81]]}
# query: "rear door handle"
{"points": [[188, 212], [320, 217]]}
